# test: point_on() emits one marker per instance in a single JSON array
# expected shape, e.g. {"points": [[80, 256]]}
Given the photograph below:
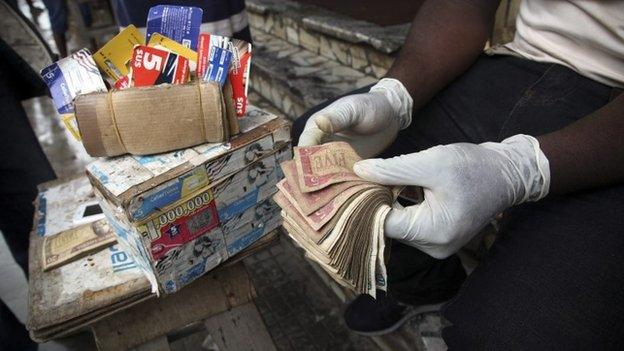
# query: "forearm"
{"points": [[589, 152], [446, 37]]}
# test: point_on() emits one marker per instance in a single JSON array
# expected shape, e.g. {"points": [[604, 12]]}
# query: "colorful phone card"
{"points": [[71, 76], [114, 56], [205, 49], [180, 23], [219, 66], [239, 67], [151, 66], [239, 74], [160, 41]]}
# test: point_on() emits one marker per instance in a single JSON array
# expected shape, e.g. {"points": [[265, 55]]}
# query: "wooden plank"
{"points": [[158, 344], [241, 328], [217, 291], [84, 321]]}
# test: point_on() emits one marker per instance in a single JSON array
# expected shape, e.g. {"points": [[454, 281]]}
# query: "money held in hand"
{"points": [[335, 216]]}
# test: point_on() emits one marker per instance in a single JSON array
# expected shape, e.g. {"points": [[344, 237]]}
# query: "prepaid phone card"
{"points": [[205, 50], [114, 57], [239, 74], [151, 66], [71, 76], [180, 23], [69, 121], [218, 66], [160, 41]]}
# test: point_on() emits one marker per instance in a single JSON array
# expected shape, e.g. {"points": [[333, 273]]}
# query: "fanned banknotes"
{"points": [[335, 216]]}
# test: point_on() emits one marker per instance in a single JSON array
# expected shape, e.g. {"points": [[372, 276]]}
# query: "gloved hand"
{"points": [[465, 186], [369, 121]]}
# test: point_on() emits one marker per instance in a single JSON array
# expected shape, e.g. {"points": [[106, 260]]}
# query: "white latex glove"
{"points": [[465, 186], [368, 121]]}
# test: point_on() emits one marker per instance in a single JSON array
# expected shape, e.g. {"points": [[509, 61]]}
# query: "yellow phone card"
{"points": [[114, 56], [69, 120], [158, 39]]}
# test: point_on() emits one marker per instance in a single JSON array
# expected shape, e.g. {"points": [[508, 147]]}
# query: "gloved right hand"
{"points": [[368, 121], [465, 186]]}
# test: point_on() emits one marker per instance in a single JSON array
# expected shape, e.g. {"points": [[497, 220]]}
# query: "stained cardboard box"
{"points": [[156, 119], [215, 247], [181, 214], [196, 233], [142, 184]]}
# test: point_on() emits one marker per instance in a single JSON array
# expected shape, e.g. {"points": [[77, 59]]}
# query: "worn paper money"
{"points": [[335, 216], [309, 202], [322, 165], [74, 243]]}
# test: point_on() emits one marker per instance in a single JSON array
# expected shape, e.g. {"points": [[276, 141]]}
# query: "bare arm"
{"points": [[446, 37], [589, 152]]}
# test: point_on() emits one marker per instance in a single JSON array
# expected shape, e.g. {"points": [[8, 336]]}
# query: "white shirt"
{"points": [[584, 35]]}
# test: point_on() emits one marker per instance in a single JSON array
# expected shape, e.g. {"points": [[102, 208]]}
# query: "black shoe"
{"points": [[373, 317]]}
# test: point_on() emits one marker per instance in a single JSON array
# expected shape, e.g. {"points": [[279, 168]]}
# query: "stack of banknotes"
{"points": [[335, 216]]}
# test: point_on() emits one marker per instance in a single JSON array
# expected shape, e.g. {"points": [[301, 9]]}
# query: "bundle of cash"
{"points": [[335, 216]]}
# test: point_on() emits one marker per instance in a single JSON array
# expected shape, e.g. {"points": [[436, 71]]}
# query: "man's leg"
{"points": [[23, 165], [552, 280], [13, 334]]}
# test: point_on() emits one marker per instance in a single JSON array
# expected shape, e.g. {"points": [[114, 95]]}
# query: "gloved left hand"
{"points": [[465, 186]]}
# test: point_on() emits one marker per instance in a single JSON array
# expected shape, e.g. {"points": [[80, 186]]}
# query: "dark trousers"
{"points": [[554, 276], [23, 165]]}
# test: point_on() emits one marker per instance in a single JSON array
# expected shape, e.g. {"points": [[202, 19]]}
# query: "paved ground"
{"points": [[300, 312]]}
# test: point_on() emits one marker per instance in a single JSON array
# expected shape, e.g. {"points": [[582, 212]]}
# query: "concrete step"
{"points": [[363, 46], [294, 79], [259, 101]]}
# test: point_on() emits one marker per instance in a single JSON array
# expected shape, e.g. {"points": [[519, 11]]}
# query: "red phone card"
{"points": [[151, 66], [122, 83]]}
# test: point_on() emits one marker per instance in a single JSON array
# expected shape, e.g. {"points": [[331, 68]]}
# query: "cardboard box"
{"points": [[198, 232], [207, 252], [156, 119], [190, 217], [181, 214], [246, 228], [142, 184]]}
